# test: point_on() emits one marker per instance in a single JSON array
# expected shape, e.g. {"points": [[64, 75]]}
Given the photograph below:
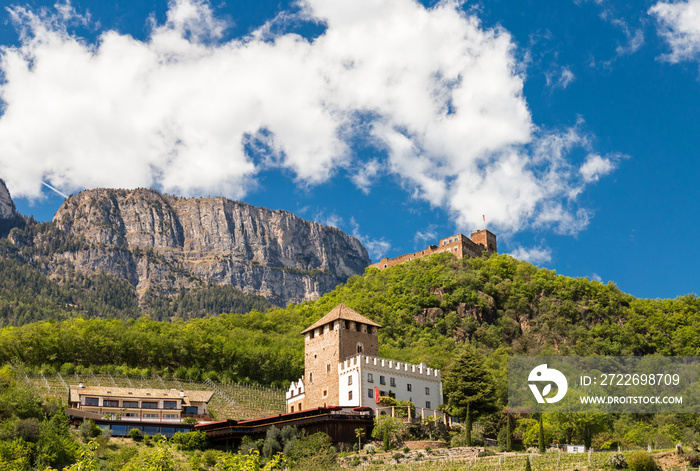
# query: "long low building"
{"points": [[146, 405]]}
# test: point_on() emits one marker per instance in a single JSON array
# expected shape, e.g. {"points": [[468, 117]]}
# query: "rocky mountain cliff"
{"points": [[9, 217], [7, 206], [166, 243]]}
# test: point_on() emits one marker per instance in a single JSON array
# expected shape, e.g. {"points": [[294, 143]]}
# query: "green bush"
{"points": [[485, 453], [88, 430], [135, 434], [191, 440], [642, 461]]}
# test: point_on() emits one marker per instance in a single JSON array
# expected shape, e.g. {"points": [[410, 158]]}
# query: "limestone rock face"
{"points": [[7, 206], [167, 242]]}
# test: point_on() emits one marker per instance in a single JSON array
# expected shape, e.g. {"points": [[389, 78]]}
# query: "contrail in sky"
{"points": [[54, 189]]}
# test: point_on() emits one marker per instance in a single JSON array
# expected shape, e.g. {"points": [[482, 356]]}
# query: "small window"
{"points": [[382, 380], [370, 378], [151, 416], [149, 405], [325, 392], [169, 404], [408, 387], [349, 380], [110, 403], [427, 391], [328, 367], [311, 377], [385, 265], [392, 382], [92, 401], [311, 334], [427, 404], [292, 409], [349, 395], [359, 348], [370, 393], [131, 404]]}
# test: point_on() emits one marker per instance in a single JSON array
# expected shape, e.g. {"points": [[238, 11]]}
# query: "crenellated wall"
{"points": [[458, 245]]}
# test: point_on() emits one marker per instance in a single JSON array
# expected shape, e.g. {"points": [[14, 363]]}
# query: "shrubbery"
{"points": [[642, 461], [191, 440]]}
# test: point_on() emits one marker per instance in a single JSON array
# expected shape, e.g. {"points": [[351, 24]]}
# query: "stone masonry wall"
{"points": [[459, 245], [320, 367]]}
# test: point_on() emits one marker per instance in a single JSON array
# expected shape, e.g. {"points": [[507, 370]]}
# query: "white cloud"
{"points": [[595, 167], [377, 248], [438, 98], [679, 24], [635, 40], [427, 236], [366, 174], [596, 277], [561, 79], [534, 255], [332, 220]]}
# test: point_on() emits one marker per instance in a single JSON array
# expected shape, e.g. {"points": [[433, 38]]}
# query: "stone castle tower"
{"points": [[340, 334]]}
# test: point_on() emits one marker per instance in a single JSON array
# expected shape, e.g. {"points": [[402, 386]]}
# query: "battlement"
{"points": [[458, 245], [388, 366], [296, 389]]}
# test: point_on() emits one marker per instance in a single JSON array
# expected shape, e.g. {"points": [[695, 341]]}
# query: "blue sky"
{"points": [[571, 126]]}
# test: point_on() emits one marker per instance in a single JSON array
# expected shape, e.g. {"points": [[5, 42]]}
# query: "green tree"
{"points": [[468, 388], [389, 429]]}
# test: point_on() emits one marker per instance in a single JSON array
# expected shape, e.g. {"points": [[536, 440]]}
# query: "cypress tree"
{"points": [[469, 388]]}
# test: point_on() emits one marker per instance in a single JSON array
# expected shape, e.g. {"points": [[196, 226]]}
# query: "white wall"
{"points": [[419, 377]]}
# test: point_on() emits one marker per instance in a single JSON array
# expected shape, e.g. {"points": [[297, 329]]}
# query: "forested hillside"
{"points": [[428, 308], [27, 294]]}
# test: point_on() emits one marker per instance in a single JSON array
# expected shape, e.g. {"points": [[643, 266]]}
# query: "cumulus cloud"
{"points": [[534, 255], [435, 95], [679, 25], [595, 167]]}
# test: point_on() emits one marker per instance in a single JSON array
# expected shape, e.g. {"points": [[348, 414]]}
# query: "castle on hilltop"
{"points": [[459, 245], [342, 368]]}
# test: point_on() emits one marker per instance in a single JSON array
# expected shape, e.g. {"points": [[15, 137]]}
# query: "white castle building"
{"points": [[342, 368]]}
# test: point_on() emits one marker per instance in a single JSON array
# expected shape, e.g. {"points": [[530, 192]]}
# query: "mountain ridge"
{"points": [[168, 243]]}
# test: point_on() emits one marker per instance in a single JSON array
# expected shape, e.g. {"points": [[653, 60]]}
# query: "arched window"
{"points": [[359, 348]]}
